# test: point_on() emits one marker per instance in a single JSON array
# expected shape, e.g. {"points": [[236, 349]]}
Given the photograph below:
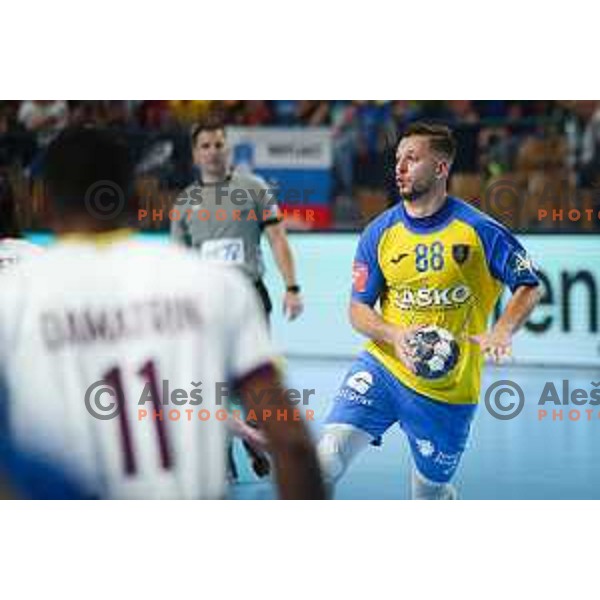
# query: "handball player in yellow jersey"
{"points": [[430, 260]]}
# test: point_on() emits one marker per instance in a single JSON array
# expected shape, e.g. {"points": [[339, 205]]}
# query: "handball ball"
{"points": [[435, 352]]}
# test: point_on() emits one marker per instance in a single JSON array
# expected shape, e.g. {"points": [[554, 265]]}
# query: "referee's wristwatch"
{"points": [[294, 289]]}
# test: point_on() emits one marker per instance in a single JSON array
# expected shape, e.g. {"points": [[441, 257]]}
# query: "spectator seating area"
{"points": [[515, 157]]}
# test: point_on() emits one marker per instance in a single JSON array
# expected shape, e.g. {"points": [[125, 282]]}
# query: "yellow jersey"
{"points": [[448, 270]]}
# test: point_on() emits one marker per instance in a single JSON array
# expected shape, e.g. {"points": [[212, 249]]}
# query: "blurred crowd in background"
{"points": [[548, 151]]}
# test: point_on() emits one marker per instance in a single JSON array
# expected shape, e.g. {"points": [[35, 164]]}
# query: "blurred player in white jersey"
{"points": [[103, 328], [13, 248]]}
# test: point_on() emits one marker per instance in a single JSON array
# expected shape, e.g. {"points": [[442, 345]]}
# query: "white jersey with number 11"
{"points": [[113, 360]]}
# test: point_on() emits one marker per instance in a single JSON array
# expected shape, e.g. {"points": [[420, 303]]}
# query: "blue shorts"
{"points": [[372, 399]]}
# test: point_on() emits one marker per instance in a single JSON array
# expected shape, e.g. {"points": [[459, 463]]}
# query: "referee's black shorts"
{"points": [[265, 299]]}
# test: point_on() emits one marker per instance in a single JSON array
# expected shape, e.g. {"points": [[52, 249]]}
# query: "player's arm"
{"points": [[509, 263], [250, 349], [367, 285], [180, 228], [518, 309], [274, 227], [297, 471], [497, 343], [366, 320], [282, 252]]}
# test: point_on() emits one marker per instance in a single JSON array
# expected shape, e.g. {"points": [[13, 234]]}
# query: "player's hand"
{"points": [[496, 345], [292, 305], [252, 436], [403, 349]]}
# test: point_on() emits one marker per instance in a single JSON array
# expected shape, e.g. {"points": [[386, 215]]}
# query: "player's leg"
{"points": [[259, 459], [253, 443], [437, 433], [250, 435], [338, 446], [360, 415], [422, 488], [232, 472]]}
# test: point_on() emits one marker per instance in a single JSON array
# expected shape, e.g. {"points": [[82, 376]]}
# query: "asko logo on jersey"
{"points": [[427, 297]]}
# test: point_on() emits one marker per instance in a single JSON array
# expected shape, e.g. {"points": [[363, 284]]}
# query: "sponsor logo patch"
{"points": [[360, 382], [360, 275]]}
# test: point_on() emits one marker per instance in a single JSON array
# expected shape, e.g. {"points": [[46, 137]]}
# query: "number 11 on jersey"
{"points": [[148, 373]]}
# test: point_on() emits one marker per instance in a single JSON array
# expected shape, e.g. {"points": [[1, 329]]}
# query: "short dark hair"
{"points": [[441, 138], [212, 123], [81, 157]]}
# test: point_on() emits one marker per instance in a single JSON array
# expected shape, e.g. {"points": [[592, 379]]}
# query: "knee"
{"points": [[331, 458], [339, 444], [424, 489]]}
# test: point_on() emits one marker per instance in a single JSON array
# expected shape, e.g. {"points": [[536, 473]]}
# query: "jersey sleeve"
{"points": [[180, 228], [250, 346], [267, 204], [507, 259], [367, 277]]}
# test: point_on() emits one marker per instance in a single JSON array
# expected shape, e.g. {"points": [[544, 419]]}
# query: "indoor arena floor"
{"points": [[522, 458]]}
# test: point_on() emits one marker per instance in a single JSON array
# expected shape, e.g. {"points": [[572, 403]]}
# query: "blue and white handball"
{"points": [[435, 352]]}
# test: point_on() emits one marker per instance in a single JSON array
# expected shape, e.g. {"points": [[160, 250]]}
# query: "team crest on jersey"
{"points": [[460, 253]]}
